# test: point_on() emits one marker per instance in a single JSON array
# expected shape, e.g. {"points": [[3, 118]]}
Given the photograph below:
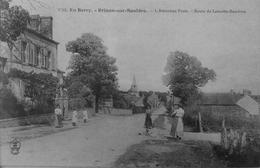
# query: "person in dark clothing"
{"points": [[148, 120]]}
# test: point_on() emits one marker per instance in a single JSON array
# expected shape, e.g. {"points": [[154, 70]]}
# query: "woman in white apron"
{"points": [[179, 113]]}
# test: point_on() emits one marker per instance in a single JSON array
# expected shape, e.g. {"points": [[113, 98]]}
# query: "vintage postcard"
{"points": [[129, 83]]}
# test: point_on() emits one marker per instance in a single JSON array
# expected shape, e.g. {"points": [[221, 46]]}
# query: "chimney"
{"points": [[42, 25], [35, 21], [46, 26]]}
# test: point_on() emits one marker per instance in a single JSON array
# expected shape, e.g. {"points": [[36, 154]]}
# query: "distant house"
{"points": [[134, 102], [153, 100], [229, 104], [132, 98], [249, 104]]}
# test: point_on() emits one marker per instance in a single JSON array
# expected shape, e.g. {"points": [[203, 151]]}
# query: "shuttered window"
{"points": [[31, 55], [36, 55], [23, 51], [42, 58], [47, 59]]}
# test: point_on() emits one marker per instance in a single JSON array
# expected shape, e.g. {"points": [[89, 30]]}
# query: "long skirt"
{"points": [[179, 128], [148, 121], [74, 120], [56, 121], [60, 120], [173, 127]]}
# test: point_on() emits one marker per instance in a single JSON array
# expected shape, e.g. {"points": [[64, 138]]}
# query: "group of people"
{"points": [[59, 117], [176, 114]]}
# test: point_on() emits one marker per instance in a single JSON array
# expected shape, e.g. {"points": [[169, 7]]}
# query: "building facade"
{"points": [[34, 51]]}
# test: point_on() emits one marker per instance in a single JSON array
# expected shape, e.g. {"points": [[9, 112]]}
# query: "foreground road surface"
{"points": [[98, 143]]}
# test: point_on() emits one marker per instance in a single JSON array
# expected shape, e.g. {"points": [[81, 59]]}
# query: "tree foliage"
{"points": [[38, 86], [13, 22], [92, 66], [3, 78], [185, 75], [4, 4]]}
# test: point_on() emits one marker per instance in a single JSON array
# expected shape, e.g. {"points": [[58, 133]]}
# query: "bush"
{"points": [[9, 106], [213, 121]]}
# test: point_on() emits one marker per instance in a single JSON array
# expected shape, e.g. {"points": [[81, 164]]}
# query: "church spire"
{"points": [[134, 81], [134, 90]]}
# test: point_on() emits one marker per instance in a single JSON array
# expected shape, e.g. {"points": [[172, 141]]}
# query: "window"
{"points": [[23, 49], [36, 55], [31, 48], [42, 58], [47, 60]]}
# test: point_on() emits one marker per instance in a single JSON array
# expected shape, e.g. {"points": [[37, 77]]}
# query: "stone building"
{"points": [[34, 51], [230, 104]]}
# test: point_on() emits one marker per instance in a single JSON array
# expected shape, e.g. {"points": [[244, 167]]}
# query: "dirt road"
{"points": [[98, 143]]}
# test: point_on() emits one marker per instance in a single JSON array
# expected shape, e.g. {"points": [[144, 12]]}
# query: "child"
{"points": [[74, 118], [85, 116]]}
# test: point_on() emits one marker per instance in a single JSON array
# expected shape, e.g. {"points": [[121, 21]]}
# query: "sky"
{"points": [[229, 43]]}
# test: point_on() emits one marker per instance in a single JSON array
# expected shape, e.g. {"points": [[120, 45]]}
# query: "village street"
{"points": [[94, 144], [98, 143]]}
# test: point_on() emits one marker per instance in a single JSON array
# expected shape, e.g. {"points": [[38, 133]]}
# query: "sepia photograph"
{"points": [[129, 83]]}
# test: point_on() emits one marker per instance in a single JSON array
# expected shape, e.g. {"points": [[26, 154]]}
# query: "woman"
{"points": [[174, 121], [58, 122], [177, 127], [148, 120]]}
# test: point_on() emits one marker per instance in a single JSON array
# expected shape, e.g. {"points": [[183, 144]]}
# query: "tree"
{"points": [[92, 66], [78, 91], [185, 75], [13, 21]]}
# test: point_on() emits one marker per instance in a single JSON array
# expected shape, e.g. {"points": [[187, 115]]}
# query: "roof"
{"points": [[139, 102], [132, 99], [41, 36], [220, 98], [256, 98], [249, 104]]}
